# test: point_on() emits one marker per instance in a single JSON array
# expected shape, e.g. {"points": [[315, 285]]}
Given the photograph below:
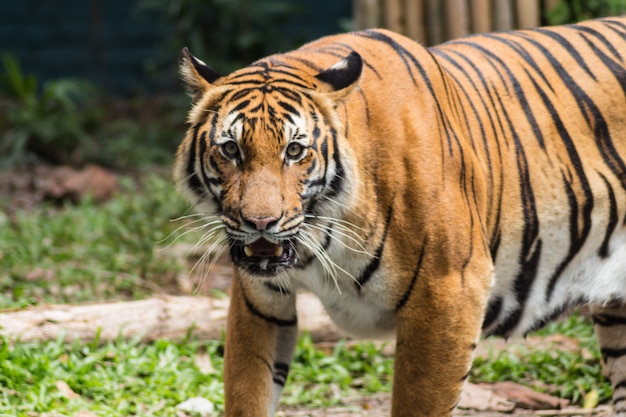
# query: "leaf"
{"points": [[65, 390], [591, 399]]}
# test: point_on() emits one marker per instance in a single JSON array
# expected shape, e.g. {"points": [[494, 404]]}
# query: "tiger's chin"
{"points": [[263, 258]]}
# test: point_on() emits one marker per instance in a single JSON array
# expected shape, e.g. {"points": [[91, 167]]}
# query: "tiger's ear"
{"points": [[341, 78], [197, 75]]}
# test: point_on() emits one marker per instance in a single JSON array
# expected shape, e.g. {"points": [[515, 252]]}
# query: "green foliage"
{"points": [[48, 122], [69, 121], [120, 378], [569, 11], [123, 378], [89, 252], [316, 378], [563, 373], [226, 34]]}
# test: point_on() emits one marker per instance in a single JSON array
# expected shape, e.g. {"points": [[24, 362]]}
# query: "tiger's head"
{"points": [[265, 155]]}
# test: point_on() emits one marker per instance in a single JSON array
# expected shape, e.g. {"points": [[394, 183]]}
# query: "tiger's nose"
{"points": [[261, 223]]}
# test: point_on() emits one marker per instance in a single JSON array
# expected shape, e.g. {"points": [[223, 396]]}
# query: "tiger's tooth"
{"points": [[278, 251], [248, 251]]}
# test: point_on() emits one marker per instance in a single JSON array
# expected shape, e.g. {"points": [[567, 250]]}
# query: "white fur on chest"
{"points": [[359, 313]]}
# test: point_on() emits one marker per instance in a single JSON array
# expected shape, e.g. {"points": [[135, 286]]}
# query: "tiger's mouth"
{"points": [[263, 257]]}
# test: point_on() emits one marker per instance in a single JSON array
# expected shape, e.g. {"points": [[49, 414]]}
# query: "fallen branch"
{"points": [[169, 317], [573, 411]]}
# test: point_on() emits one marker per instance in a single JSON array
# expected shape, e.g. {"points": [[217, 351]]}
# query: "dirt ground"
{"points": [[380, 406]]}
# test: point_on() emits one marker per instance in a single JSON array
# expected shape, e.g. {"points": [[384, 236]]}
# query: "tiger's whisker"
{"points": [[362, 249]]}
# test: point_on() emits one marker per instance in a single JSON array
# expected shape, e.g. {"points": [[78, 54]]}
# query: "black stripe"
{"points": [[372, 267], [577, 238], [270, 319], [494, 241], [288, 107], [279, 381], [571, 49], [467, 375], [336, 184], [290, 94], [192, 178], [607, 44], [517, 87], [554, 313], [237, 95], [610, 24], [493, 312], [531, 242], [608, 320], [407, 294], [522, 51], [240, 106], [592, 114], [613, 353], [616, 401], [402, 52], [610, 228], [267, 364], [282, 366], [621, 384], [617, 69], [475, 93], [619, 400], [406, 56]]}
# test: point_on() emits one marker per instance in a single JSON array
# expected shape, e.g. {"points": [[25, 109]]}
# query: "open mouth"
{"points": [[263, 257]]}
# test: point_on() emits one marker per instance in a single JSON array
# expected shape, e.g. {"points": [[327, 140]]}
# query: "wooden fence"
{"points": [[434, 21]]}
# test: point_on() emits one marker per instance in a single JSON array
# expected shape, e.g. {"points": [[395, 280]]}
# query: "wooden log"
{"points": [[527, 13], [434, 17], [456, 18], [393, 15], [414, 18], [164, 317], [502, 15], [367, 14], [481, 16]]}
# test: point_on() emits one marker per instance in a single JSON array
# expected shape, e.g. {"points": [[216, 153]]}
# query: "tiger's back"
{"points": [[477, 186], [551, 102]]}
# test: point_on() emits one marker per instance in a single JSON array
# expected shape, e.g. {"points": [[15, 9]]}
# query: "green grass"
{"points": [[560, 372], [317, 376], [93, 252], [120, 378], [124, 378], [89, 252]]}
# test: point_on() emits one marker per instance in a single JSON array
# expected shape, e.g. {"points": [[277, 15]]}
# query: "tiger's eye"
{"points": [[294, 150], [230, 149]]}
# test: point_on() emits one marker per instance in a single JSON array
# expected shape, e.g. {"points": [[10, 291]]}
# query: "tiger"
{"points": [[429, 194]]}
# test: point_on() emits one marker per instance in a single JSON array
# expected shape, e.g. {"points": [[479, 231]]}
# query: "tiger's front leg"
{"points": [[436, 337], [261, 335]]}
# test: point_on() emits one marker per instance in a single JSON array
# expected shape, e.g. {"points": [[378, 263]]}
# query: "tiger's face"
{"points": [[263, 156]]}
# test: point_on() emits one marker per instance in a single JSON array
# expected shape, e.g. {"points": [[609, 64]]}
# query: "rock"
{"points": [[199, 405], [525, 397], [66, 183], [478, 398]]}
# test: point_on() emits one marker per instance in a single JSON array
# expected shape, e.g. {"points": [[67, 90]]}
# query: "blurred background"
{"points": [[95, 80]]}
